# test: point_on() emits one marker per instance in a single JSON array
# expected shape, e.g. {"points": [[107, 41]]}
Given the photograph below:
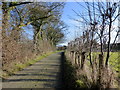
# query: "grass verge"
{"points": [[69, 75]]}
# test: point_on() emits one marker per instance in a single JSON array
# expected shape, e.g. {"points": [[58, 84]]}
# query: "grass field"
{"points": [[114, 59]]}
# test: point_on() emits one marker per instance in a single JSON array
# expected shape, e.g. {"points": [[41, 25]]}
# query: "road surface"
{"points": [[46, 73]]}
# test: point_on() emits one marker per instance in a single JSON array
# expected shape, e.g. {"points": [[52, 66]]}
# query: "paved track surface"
{"points": [[46, 73]]}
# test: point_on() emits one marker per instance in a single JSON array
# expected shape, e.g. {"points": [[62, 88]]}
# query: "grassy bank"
{"points": [[69, 75], [70, 80], [19, 66], [76, 78], [73, 81]]}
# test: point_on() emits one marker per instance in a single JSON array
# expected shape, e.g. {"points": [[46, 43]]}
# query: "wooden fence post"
{"points": [[100, 70], [82, 60], [79, 60]]}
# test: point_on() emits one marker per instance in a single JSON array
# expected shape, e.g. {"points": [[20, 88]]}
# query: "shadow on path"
{"points": [[46, 73]]}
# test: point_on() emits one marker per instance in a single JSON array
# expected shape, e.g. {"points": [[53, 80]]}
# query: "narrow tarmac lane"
{"points": [[46, 73]]}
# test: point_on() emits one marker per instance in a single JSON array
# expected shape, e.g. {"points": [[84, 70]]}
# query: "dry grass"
{"points": [[17, 53]]}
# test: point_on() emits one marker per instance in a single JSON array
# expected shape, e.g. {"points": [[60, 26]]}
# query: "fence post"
{"points": [[82, 60], [100, 70]]}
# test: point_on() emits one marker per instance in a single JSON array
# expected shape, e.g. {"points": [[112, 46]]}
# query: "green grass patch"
{"points": [[114, 59], [81, 84]]}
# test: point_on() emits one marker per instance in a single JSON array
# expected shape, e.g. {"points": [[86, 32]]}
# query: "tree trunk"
{"points": [[35, 41], [100, 70], [35, 38], [75, 58], [108, 47], [79, 60]]}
